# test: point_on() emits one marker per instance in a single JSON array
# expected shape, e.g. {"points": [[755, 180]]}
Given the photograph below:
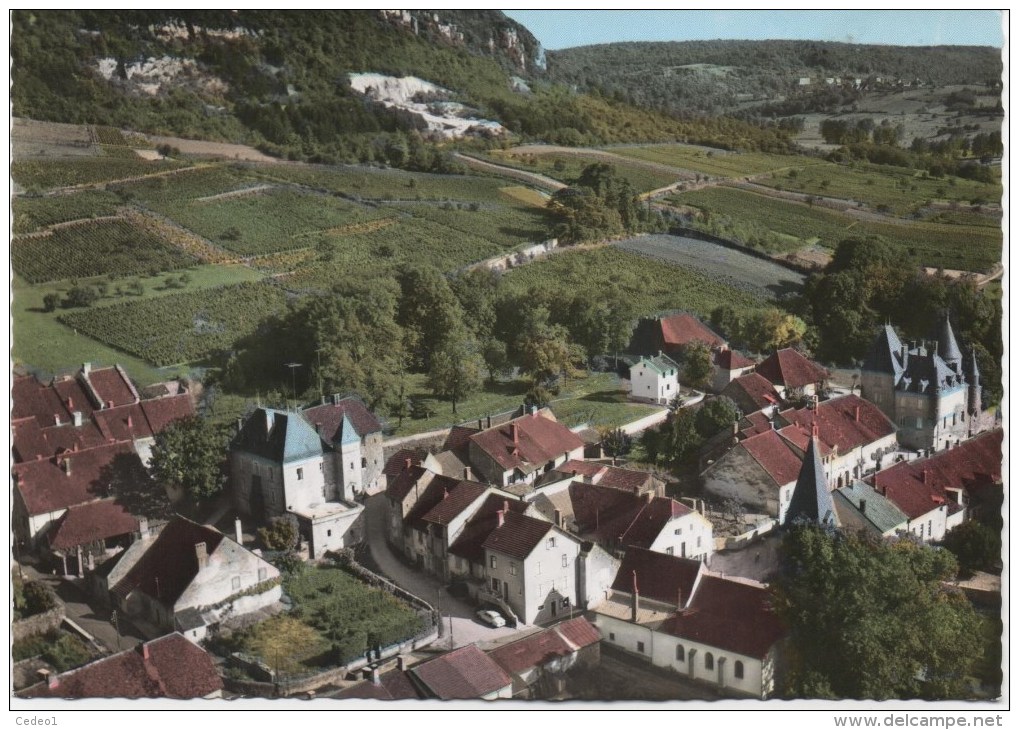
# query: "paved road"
{"points": [[92, 617], [466, 628]]}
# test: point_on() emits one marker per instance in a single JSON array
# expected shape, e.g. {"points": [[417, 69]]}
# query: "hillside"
{"points": [[282, 81], [720, 76]]}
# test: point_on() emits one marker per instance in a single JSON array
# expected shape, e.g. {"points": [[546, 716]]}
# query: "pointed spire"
{"points": [[948, 348], [811, 499]]}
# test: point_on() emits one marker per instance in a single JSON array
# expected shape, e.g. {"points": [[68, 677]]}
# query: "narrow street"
{"points": [[466, 628]]}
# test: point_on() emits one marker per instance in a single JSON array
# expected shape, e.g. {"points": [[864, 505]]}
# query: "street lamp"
{"points": [[293, 378]]}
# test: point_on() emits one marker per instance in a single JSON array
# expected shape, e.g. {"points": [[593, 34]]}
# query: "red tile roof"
{"points": [[174, 668], [87, 523], [728, 614], [398, 461], [456, 500], [123, 423], [170, 562], [470, 543], [917, 487], [605, 475], [462, 674], [772, 452], [45, 485], [330, 417], [36, 400], [458, 438], [680, 330], [29, 441], [393, 685], [539, 649], [615, 517], [660, 577], [540, 439], [790, 368], [845, 422], [752, 392], [161, 412], [110, 385], [754, 424], [518, 535], [731, 360]]}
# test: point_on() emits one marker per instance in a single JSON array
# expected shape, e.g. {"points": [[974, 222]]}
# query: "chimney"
{"points": [[407, 463], [634, 599], [516, 433], [56, 419], [502, 517], [67, 465], [558, 517], [238, 533], [86, 367], [145, 649], [70, 403], [863, 506], [481, 424], [202, 554], [924, 476], [648, 496], [857, 414], [130, 424], [679, 599], [401, 663], [488, 422], [77, 418], [468, 476], [109, 404], [43, 674], [54, 681], [445, 493], [143, 528], [375, 677], [505, 505]]}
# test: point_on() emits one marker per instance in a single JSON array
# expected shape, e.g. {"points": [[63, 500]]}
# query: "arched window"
{"points": [[737, 670], [709, 661], [680, 653]]}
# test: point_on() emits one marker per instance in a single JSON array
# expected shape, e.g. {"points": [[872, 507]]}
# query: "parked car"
{"points": [[492, 618]]}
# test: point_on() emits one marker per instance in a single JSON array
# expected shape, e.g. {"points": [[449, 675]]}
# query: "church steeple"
{"points": [[811, 499], [973, 404]]}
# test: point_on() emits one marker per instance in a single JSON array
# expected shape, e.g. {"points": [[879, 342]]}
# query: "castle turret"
{"points": [[948, 348], [973, 404]]}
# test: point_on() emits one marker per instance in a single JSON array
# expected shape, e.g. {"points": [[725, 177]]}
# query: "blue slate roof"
{"points": [[885, 354], [948, 348], [348, 435], [278, 436]]}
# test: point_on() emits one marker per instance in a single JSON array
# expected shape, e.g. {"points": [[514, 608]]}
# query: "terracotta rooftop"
{"points": [[732, 615], [87, 523], [393, 685], [330, 417], [731, 360], [680, 330], [539, 649], [539, 439], [615, 517], [772, 452], [398, 461], [790, 368], [462, 674], [917, 487], [660, 577], [518, 535], [845, 422], [754, 424], [399, 487], [170, 666], [752, 392], [111, 387], [454, 502], [75, 477], [484, 521], [604, 475], [458, 438], [161, 412]]}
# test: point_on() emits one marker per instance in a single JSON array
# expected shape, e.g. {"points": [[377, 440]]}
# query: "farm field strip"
{"points": [[180, 328], [718, 163], [111, 246], [950, 246], [566, 166], [33, 214], [67, 176], [525, 195]]}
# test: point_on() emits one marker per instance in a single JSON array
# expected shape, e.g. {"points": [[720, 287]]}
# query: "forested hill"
{"points": [[715, 76], [280, 80]]}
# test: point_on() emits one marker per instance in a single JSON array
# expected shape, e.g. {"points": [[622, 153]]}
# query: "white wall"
{"points": [[646, 383], [689, 536], [230, 570]]}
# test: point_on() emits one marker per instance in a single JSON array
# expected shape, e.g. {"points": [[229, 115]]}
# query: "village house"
{"points": [[854, 436], [606, 475], [728, 365], [169, 667], [930, 391], [281, 463], [677, 615], [188, 574], [75, 439], [654, 379], [752, 393], [466, 673], [539, 662], [792, 374], [523, 449], [860, 507], [934, 492], [759, 472]]}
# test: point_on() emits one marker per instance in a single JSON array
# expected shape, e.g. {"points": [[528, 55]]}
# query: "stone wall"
{"points": [[38, 624]]}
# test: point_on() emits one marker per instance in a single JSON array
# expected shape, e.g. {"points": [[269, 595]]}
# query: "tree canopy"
{"points": [[189, 454], [871, 619]]}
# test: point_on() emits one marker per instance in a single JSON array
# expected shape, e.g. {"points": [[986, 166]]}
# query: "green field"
{"points": [[567, 167], [114, 247], [528, 196], [32, 214], [969, 248], [897, 190], [42, 341], [47, 174], [717, 163], [654, 286], [180, 328], [168, 191], [507, 226]]}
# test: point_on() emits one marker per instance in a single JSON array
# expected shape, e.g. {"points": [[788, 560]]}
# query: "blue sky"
{"points": [[557, 29]]}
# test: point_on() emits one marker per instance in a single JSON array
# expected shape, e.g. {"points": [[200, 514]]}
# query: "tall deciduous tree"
{"points": [[697, 364], [190, 454], [716, 415], [547, 354], [457, 369], [869, 619]]}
